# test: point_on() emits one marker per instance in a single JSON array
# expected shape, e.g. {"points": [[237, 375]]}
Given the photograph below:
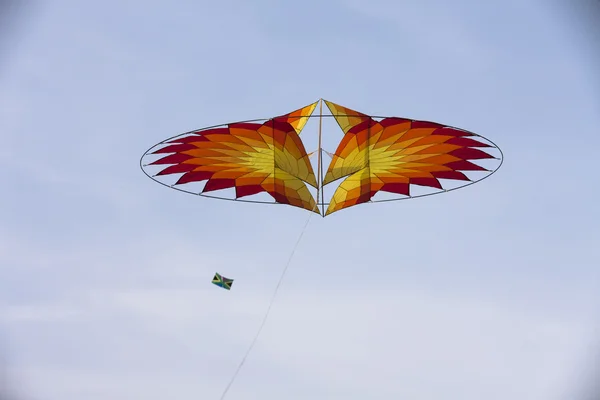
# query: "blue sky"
{"points": [[486, 292]]}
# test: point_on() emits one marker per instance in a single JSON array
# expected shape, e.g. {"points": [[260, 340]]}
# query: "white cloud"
{"points": [[37, 313], [342, 343]]}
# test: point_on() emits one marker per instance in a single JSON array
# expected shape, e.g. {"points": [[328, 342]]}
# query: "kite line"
{"points": [[262, 325], [282, 276]]}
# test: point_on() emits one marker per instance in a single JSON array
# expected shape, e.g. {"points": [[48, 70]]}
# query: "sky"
{"points": [[491, 291]]}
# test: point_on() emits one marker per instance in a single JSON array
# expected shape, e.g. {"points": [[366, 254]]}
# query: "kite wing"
{"points": [[394, 153], [222, 282], [250, 157]]}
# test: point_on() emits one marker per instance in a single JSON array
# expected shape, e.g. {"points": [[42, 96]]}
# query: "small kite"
{"points": [[374, 155], [222, 282]]}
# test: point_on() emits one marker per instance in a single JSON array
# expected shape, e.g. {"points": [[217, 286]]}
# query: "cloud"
{"points": [[37, 313], [340, 343]]}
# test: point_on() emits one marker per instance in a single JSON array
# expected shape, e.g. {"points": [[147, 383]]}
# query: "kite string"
{"points": [[262, 325]]}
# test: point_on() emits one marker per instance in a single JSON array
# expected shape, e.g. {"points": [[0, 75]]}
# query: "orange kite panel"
{"points": [[250, 157], [394, 153]]}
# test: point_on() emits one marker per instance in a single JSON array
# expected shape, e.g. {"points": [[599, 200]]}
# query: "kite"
{"points": [[222, 282], [374, 156], [266, 161]]}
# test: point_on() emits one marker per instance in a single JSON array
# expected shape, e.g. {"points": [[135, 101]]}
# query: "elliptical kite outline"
{"points": [[294, 116]]}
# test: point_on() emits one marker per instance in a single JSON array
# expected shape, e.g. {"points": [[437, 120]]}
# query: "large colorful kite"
{"points": [[375, 154], [267, 158]]}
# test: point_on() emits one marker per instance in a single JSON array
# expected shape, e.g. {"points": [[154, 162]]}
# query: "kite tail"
{"points": [[262, 325]]}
